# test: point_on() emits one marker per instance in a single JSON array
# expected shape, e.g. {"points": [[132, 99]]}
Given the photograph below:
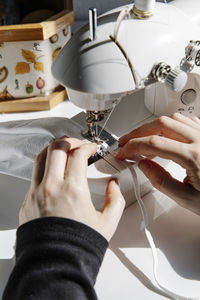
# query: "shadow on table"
{"points": [[6, 266], [13, 191], [175, 230]]}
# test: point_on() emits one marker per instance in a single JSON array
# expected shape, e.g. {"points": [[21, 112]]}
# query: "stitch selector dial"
{"points": [[188, 96]]}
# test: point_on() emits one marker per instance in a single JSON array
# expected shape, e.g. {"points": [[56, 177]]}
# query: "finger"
{"points": [[74, 143], [77, 163], [38, 168], [185, 120], [186, 180], [156, 146], [57, 157], [113, 208], [193, 177], [182, 193], [56, 160], [196, 120], [164, 126]]}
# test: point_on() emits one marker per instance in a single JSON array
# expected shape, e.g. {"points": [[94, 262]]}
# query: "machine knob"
{"points": [[176, 80], [188, 96]]}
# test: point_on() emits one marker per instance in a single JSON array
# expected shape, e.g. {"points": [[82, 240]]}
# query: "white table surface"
{"points": [[126, 272]]}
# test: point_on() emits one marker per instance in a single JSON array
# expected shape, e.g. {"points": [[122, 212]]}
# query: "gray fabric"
{"points": [[21, 141]]}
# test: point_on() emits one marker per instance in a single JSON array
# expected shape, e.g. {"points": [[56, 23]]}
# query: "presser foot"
{"points": [[105, 141]]}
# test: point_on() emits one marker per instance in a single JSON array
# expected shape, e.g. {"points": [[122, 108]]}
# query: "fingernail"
{"points": [[119, 154], [119, 141], [115, 180], [122, 141], [60, 145], [64, 136]]}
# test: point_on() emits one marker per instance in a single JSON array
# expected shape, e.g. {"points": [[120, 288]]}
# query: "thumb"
{"points": [[113, 208], [165, 183]]}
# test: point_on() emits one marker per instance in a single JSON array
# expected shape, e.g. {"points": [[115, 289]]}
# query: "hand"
{"points": [[175, 138], [60, 188]]}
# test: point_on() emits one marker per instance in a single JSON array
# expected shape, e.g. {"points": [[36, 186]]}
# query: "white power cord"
{"points": [[124, 13]]}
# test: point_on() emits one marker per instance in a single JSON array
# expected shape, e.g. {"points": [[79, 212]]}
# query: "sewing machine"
{"points": [[127, 270], [125, 68]]}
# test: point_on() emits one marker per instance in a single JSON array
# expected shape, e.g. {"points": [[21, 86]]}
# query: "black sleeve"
{"points": [[57, 259]]}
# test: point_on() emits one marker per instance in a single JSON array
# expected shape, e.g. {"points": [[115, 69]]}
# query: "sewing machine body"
{"points": [[97, 76], [100, 172], [96, 73]]}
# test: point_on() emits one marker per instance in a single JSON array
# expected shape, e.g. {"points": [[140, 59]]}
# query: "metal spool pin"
{"points": [[93, 23]]}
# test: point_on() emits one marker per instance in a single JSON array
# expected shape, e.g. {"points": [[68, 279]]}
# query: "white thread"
{"points": [[104, 125]]}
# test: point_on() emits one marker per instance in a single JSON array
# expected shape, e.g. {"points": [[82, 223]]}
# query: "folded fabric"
{"points": [[21, 141]]}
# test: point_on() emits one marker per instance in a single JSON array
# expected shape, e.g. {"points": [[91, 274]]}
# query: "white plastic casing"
{"points": [[162, 101], [95, 73]]}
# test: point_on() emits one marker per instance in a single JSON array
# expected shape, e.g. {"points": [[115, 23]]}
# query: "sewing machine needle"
{"points": [[106, 120]]}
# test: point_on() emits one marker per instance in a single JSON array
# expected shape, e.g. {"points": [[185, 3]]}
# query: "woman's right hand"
{"points": [[175, 138]]}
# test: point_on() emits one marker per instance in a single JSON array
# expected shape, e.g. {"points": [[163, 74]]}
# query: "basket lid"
{"points": [[37, 31]]}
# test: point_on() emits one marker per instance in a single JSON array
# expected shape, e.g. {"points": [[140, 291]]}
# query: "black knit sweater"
{"points": [[56, 258]]}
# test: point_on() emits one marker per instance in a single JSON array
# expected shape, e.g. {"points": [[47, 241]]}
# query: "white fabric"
{"points": [[21, 141]]}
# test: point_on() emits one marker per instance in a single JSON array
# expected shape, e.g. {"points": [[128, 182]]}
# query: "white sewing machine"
{"points": [[130, 65], [127, 273]]}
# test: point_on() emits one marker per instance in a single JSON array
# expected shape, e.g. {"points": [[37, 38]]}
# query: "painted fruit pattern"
{"points": [[25, 69]]}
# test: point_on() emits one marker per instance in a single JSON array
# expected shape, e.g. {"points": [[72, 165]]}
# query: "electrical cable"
{"points": [[124, 13]]}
